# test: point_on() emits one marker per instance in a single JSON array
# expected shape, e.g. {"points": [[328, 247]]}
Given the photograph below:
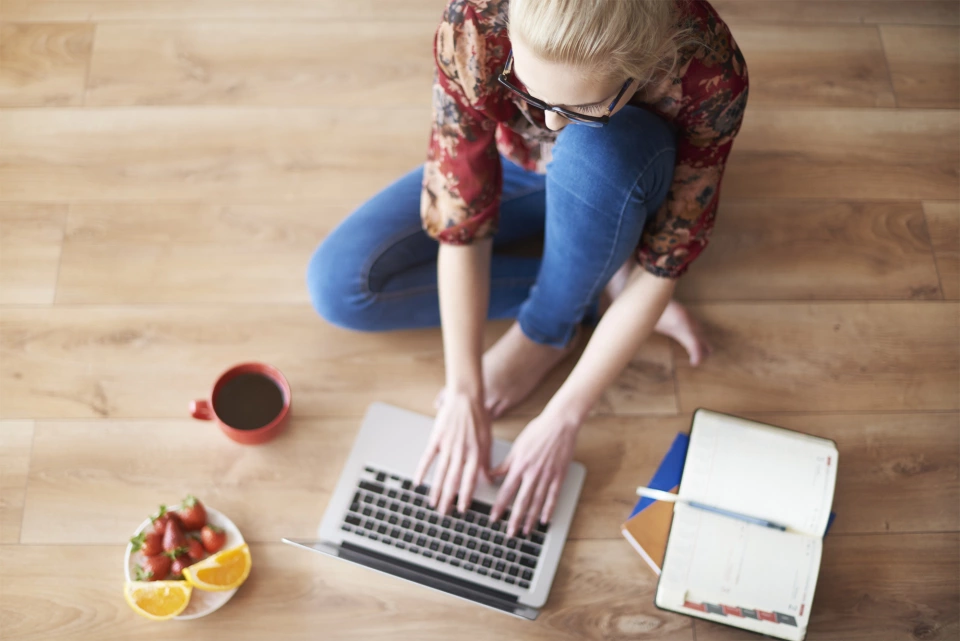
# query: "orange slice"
{"points": [[223, 571], [157, 600]]}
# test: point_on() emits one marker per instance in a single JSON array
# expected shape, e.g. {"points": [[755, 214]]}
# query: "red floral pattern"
{"points": [[475, 119]]}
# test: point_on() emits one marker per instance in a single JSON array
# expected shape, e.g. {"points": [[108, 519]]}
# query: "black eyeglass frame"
{"points": [[573, 116]]}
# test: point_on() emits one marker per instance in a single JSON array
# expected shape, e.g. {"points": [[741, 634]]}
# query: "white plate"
{"points": [[201, 603]]}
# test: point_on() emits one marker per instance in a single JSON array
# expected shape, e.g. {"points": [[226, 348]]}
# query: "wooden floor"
{"points": [[166, 169]]}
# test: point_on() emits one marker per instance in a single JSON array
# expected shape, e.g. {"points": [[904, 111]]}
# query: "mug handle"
{"points": [[201, 410]]}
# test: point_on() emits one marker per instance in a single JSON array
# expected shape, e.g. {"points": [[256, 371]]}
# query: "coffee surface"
{"points": [[248, 401]]}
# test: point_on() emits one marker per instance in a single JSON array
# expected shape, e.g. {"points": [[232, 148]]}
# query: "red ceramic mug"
{"points": [[207, 410]]}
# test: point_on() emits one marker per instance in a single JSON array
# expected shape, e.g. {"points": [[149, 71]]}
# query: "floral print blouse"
{"points": [[475, 119]]}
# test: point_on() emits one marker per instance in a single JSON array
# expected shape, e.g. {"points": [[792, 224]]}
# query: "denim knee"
{"points": [[635, 152], [333, 277]]}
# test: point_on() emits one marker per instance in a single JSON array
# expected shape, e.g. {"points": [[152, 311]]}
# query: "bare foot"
{"points": [[677, 323], [514, 367]]}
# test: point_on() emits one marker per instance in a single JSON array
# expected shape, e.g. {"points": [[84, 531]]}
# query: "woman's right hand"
{"points": [[460, 442]]}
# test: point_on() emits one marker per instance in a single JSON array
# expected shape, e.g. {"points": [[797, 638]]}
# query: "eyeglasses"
{"points": [[584, 119]]}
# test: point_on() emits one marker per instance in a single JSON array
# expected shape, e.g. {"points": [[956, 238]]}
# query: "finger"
{"points": [[425, 459], [504, 466], [521, 504], [468, 482], [551, 502], [439, 475], [536, 504], [505, 495], [452, 482]]}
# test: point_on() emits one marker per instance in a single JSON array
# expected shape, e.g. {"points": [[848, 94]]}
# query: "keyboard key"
{"points": [[368, 498], [428, 554], [498, 526], [418, 527], [511, 557], [382, 529], [407, 511], [422, 541], [485, 548], [406, 484], [392, 493], [468, 567], [512, 544], [542, 527], [405, 523], [526, 548], [471, 544], [459, 527], [370, 469], [446, 522], [497, 552], [400, 545], [482, 521], [510, 580], [394, 506], [354, 507], [381, 515], [527, 575], [441, 558], [498, 539], [381, 477], [455, 563], [482, 571], [474, 558], [417, 501], [500, 566], [393, 520], [372, 536], [528, 562], [369, 524], [513, 571], [486, 562], [480, 508], [432, 519], [367, 511], [448, 549], [371, 487], [395, 533], [460, 554], [346, 528], [537, 538], [458, 540], [472, 531], [381, 502], [408, 537], [434, 546], [432, 531], [353, 520], [485, 535], [496, 575], [386, 541], [359, 532], [444, 536], [421, 514], [422, 490], [470, 517], [524, 584], [415, 550]]}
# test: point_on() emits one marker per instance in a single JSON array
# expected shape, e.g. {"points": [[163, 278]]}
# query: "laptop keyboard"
{"points": [[394, 512]]}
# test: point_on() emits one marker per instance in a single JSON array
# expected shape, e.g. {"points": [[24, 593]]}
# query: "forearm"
{"points": [[463, 274], [621, 331]]}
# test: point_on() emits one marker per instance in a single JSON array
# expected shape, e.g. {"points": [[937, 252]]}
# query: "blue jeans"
{"points": [[377, 270]]}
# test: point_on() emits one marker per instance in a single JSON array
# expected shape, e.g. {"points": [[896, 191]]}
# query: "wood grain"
{"points": [[814, 65], [870, 154], [224, 155], [43, 64], [191, 253], [936, 12], [912, 594], [825, 357], [943, 221], [293, 64], [30, 244], [227, 10], [924, 65], [596, 597], [814, 250], [15, 440]]}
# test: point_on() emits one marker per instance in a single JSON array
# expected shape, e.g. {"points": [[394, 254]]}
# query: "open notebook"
{"points": [[738, 573]]}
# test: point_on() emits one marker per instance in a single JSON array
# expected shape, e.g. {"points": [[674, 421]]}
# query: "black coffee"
{"points": [[248, 401]]}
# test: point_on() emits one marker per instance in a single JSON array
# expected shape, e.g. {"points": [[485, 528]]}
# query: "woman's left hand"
{"points": [[536, 466]]}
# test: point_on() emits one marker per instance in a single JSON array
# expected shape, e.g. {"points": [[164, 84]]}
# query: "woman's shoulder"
{"points": [[712, 45], [472, 45]]}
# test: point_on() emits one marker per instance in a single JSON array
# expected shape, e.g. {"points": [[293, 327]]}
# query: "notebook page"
{"points": [[714, 561], [760, 471]]}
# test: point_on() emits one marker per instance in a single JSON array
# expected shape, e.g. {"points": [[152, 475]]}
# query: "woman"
{"points": [[603, 125]]}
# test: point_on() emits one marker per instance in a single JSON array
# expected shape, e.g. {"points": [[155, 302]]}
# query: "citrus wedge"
{"points": [[223, 571], [157, 600]]}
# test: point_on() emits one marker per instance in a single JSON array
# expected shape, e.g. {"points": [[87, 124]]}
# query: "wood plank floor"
{"points": [[168, 166]]}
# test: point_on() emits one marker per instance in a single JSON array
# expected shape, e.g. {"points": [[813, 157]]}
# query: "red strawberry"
{"points": [[192, 514], [180, 561], [162, 518], [148, 543], [173, 537], [213, 538], [195, 549], [154, 568]]}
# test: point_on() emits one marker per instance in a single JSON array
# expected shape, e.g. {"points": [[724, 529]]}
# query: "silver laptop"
{"points": [[378, 518]]}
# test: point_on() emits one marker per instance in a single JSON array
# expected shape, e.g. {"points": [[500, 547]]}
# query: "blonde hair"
{"points": [[637, 39]]}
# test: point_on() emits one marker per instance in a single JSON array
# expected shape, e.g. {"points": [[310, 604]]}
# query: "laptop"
{"points": [[378, 518]]}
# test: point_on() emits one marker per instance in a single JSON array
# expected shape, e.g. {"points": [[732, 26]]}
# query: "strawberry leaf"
{"points": [[142, 575], [163, 510], [190, 501], [138, 540]]}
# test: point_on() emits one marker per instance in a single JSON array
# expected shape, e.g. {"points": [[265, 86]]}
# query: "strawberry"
{"points": [[213, 538], [154, 568], [162, 518], [180, 560], [173, 537], [148, 543], [192, 514], [195, 549]]}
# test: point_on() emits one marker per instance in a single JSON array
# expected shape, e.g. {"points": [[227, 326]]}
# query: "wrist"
{"points": [[566, 414]]}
